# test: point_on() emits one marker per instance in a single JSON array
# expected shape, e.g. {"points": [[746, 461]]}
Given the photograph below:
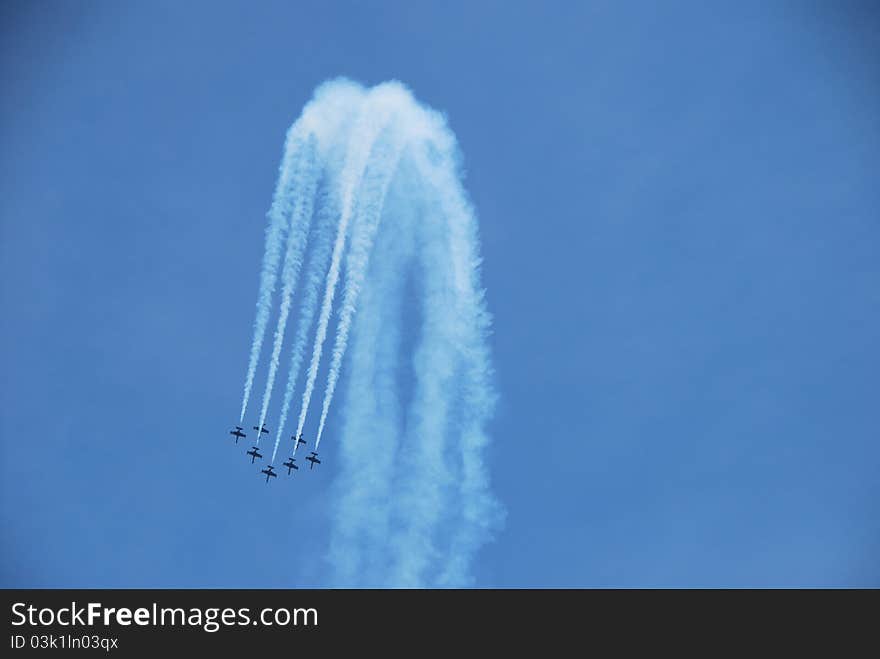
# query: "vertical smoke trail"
{"points": [[305, 178], [373, 415], [371, 198], [327, 212], [425, 487], [275, 232], [368, 126], [479, 513]]}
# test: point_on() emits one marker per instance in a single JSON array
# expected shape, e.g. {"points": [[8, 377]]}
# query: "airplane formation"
{"points": [[254, 453]]}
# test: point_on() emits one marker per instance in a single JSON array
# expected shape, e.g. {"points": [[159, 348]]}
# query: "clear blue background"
{"points": [[680, 215]]}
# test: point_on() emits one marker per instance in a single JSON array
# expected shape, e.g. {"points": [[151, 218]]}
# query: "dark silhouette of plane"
{"points": [[299, 440], [237, 433], [313, 458], [254, 453], [290, 464], [269, 471], [262, 430]]}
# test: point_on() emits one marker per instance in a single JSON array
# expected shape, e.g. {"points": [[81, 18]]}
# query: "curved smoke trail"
{"points": [[373, 118], [324, 119], [395, 230]]}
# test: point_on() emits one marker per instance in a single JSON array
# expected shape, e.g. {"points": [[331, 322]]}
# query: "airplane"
{"points": [[290, 465], [262, 430], [237, 433], [269, 473], [254, 453], [313, 458], [299, 440]]}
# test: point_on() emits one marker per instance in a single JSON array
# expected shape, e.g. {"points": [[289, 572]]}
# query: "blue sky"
{"points": [[679, 218]]}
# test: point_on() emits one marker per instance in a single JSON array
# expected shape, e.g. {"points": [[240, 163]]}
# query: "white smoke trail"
{"points": [[466, 325], [370, 203], [327, 117], [423, 492], [358, 546], [412, 497], [372, 120], [275, 233], [314, 277], [300, 222], [441, 510]]}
